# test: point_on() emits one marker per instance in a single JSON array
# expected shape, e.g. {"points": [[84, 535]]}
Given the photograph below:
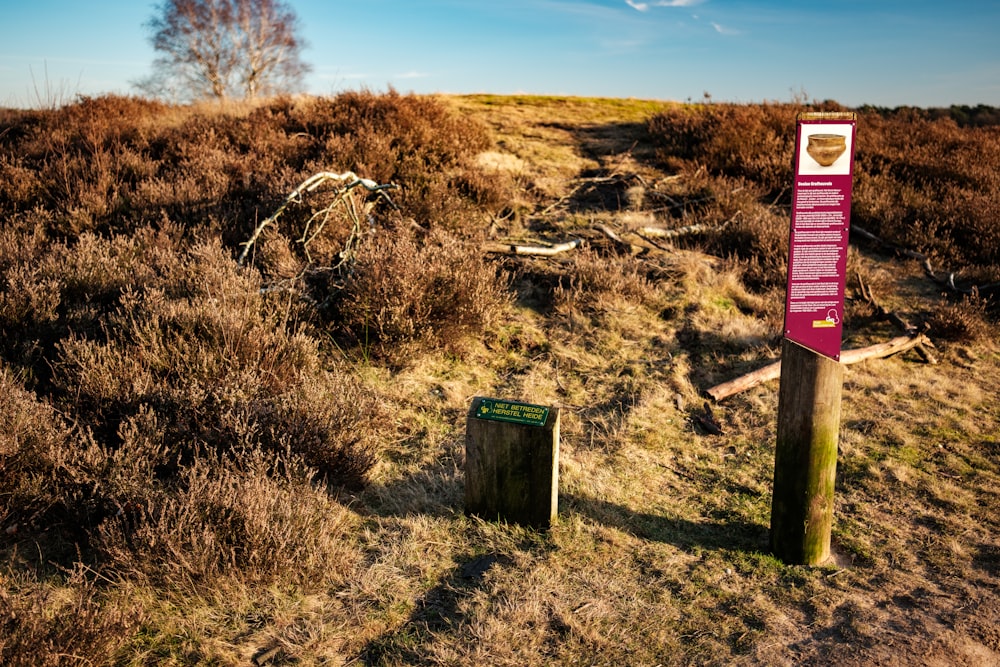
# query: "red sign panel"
{"points": [[821, 220]]}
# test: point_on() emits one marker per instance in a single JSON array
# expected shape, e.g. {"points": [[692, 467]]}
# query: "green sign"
{"points": [[511, 411]]}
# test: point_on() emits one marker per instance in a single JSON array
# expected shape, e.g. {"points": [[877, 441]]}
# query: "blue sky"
{"points": [[887, 53]]}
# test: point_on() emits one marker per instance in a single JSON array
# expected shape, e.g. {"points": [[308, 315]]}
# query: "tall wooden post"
{"points": [[812, 377], [805, 461]]}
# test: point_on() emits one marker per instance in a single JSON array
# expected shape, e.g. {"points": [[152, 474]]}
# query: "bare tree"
{"points": [[224, 48]]}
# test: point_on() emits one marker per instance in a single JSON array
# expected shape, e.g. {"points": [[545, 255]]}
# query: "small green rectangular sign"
{"points": [[512, 411]]}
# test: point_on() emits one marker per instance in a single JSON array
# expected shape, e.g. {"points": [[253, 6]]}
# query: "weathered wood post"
{"points": [[512, 462], [805, 459]]}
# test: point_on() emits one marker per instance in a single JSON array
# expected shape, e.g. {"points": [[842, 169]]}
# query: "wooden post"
{"points": [[812, 377], [512, 462], [805, 462]]}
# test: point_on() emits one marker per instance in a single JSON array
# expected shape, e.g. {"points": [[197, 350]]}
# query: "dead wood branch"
{"points": [[869, 295], [847, 357], [882, 350], [620, 244], [662, 233], [346, 182], [544, 251], [706, 419]]}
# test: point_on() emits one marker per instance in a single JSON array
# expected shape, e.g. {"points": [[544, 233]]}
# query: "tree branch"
{"points": [[847, 357]]}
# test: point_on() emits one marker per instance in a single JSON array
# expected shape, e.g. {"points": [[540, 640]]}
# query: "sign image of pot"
{"points": [[826, 148]]}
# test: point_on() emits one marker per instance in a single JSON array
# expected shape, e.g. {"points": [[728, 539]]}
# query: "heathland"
{"points": [[229, 442]]}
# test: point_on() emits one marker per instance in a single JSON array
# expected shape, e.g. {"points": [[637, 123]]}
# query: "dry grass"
{"points": [[208, 464]]}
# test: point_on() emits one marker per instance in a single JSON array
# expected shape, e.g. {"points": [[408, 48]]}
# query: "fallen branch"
{"points": [[882, 350], [869, 295], [847, 357], [621, 245], [661, 233], [544, 251]]}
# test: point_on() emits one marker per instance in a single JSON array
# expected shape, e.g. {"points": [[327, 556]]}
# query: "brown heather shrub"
{"points": [[407, 291], [590, 280], [57, 484], [961, 321], [86, 159], [930, 186], [108, 312], [219, 364], [255, 516], [752, 234], [48, 289], [922, 183], [137, 508], [37, 449], [753, 141], [114, 164], [415, 142], [43, 624]]}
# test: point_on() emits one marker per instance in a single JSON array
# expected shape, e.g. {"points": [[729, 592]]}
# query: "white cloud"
{"points": [[644, 6], [412, 75], [723, 30]]}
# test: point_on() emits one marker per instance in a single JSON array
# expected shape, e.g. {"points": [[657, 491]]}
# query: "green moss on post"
{"points": [[805, 461]]}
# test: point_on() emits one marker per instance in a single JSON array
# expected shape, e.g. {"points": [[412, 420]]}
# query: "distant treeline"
{"points": [[981, 115]]}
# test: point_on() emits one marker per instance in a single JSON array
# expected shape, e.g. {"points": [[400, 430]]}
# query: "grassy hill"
{"points": [[209, 461]]}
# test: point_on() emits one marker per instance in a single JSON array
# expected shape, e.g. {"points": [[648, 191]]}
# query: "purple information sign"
{"points": [[821, 220]]}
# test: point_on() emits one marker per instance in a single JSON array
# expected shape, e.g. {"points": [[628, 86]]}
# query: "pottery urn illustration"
{"points": [[826, 148]]}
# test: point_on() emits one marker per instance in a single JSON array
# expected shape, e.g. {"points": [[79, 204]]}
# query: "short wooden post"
{"points": [[512, 462], [805, 461]]}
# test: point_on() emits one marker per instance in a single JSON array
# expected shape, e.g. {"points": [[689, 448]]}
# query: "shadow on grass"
{"points": [[435, 613], [439, 610], [437, 490], [714, 533]]}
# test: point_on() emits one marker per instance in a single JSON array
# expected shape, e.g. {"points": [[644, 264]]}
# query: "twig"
{"points": [[868, 295]]}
